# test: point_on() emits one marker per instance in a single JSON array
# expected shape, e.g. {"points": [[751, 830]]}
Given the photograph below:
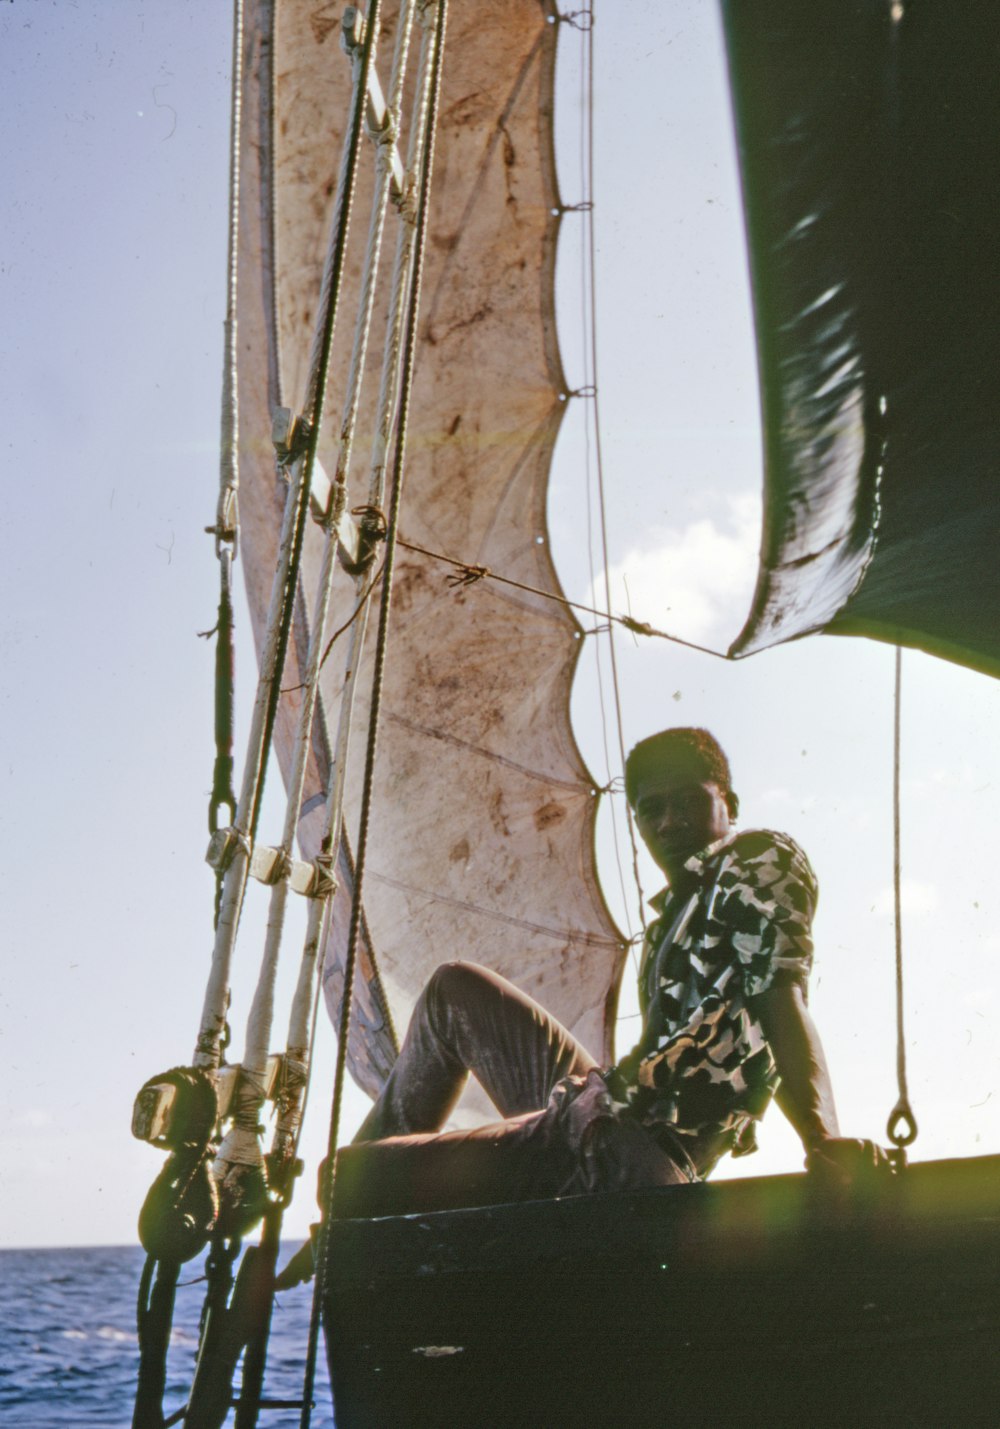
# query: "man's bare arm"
{"points": [[805, 1094]]}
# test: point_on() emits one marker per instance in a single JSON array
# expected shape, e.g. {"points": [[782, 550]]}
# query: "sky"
{"points": [[112, 288]]}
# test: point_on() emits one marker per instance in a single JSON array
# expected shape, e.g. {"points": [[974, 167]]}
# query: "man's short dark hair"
{"points": [[677, 751]]}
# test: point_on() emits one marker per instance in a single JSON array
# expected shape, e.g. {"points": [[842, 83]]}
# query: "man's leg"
{"points": [[469, 1019]]}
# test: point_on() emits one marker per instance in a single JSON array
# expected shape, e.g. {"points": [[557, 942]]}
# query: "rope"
{"points": [[471, 574], [586, 17], [261, 1012], [434, 89], [901, 1127], [374, 524], [226, 528], [156, 1307], [154, 1317], [211, 1384], [281, 608], [259, 1022], [278, 628], [587, 318], [302, 1028]]}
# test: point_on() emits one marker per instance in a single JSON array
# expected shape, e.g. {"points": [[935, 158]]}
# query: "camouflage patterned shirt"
{"points": [[703, 1064]]}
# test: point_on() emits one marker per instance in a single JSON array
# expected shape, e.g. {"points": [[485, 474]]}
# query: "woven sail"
{"points": [[481, 842]]}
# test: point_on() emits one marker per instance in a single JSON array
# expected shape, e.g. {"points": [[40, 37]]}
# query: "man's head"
{"points": [[679, 784]]}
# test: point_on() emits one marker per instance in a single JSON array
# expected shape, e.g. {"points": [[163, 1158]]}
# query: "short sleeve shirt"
{"points": [[703, 1062]]}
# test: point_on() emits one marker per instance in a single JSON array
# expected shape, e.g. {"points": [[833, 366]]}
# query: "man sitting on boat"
{"points": [[725, 1028]]}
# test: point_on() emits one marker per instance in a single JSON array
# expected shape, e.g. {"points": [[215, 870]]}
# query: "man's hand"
{"points": [[840, 1162], [617, 1080]]}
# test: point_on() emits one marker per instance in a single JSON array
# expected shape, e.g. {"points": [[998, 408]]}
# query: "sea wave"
{"points": [[69, 1348]]}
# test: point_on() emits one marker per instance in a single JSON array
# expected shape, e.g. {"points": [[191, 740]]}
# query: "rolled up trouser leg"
{"points": [[470, 1019]]}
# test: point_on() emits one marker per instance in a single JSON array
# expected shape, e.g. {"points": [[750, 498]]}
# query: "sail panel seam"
{"points": [[563, 935], [494, 758]]}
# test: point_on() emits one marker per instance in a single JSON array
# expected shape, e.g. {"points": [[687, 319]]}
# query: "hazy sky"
{"points": [[112, 268]]}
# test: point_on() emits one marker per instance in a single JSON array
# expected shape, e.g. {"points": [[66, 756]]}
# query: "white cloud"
{"points": [[696, 582]]}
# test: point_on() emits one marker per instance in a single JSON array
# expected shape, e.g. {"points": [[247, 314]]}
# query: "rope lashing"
{"points": [[435, 16], [470, 574], [579, 19], [371, 533], [901, 1127]]}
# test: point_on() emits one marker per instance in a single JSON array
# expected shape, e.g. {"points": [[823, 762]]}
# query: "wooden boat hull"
{"points": [[759, 1300]]}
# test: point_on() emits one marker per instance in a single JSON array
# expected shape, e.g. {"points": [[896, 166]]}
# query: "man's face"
{"points": [[678, 816]]}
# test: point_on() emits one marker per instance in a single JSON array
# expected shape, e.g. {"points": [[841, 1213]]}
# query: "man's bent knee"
{"points": [[451, 982]]}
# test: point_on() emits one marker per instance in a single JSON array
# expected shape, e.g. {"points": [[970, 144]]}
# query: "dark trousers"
{"points": [[469, 1019]]}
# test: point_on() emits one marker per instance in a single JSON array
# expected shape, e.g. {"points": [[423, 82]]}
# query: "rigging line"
{"points": [[229, 455], [279, 621], [602, 503], [300, 1042], [409, 352], [363, 601], [301, 1029], [154, 1326], [333, 836], [902, 1125], [477, 573], [301, 1036], [586, 206], [241, 1151], [281, 608], [226, 528], [249, 1097]]}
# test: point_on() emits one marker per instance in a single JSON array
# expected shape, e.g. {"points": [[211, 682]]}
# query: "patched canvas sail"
{"points": [[482, 825], [868, 137]]}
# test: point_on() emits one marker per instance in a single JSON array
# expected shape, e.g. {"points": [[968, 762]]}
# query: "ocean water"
{"points": [[69, 1349]]}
